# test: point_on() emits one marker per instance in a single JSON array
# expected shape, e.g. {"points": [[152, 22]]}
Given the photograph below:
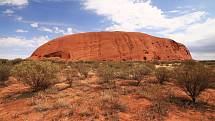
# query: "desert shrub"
{"points": [[16, 61], [139, 72], [4, 72], [4, 61], [162, 74], [83, 68], [194, 79], [124, 73], [37, 74], [70, 74], [106, 74]]}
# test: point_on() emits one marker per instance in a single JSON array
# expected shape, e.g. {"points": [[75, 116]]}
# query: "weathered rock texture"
{"points": [[114, 46]]}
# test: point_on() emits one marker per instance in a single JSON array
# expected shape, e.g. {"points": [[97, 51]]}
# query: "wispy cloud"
{"points": [[57, 30], [21, 31], [8, 12], [34, 25], [14, 2]]}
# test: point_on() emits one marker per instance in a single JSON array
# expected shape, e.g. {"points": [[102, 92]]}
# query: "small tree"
{"points": [[71, 75], [162, 74], [4, 72], [38, 75], [139, 72], [194, 79]]}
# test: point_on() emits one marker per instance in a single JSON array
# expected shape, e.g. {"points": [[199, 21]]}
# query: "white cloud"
{"points": [[20, 47], [34, 25], [7, 42], [40, 40], [198, 31], [57, 30], [14, 2], [18, 18], [15, 41], [45, 29], [21, 31], [69, 31], [129, 16], [8, 12]]}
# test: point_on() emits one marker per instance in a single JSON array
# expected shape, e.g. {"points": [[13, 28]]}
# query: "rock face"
{"points": [[112, 46]]}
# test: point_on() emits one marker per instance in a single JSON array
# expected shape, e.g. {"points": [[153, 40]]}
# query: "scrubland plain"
{"points": [[51, 90]]}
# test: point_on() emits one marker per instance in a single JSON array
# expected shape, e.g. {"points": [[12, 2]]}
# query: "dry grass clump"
{"points": [[194, 79], [162, 74], [40, 103], [38, 75], [85, 108], [110, 105], [61, 103], [106, 74], [153, 92], [157, 111]]}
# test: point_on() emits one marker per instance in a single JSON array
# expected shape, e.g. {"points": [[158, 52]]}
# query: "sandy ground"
{"points": [[87, 100]]}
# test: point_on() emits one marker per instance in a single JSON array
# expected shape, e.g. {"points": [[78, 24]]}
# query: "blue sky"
{"points": [[26, 24]]}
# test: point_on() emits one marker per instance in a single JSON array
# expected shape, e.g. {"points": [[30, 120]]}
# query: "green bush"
{"points": [[16, 61], [4, 72], [194, 79], [162, 74], [37, 74]]}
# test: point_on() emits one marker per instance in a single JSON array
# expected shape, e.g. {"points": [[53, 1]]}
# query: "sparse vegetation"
{"points": [[156, 112], [38, 75], [106, 74], [153, 92], [139, 72], [71, 75], [16, 61], [194, 79], [116, 96], [4, 61], [162, 74], [109, 103], [61, 103], [83, 69], [4, 72]]}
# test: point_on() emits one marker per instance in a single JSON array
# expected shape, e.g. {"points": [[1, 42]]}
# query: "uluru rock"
{"points": [[112, 46]]}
